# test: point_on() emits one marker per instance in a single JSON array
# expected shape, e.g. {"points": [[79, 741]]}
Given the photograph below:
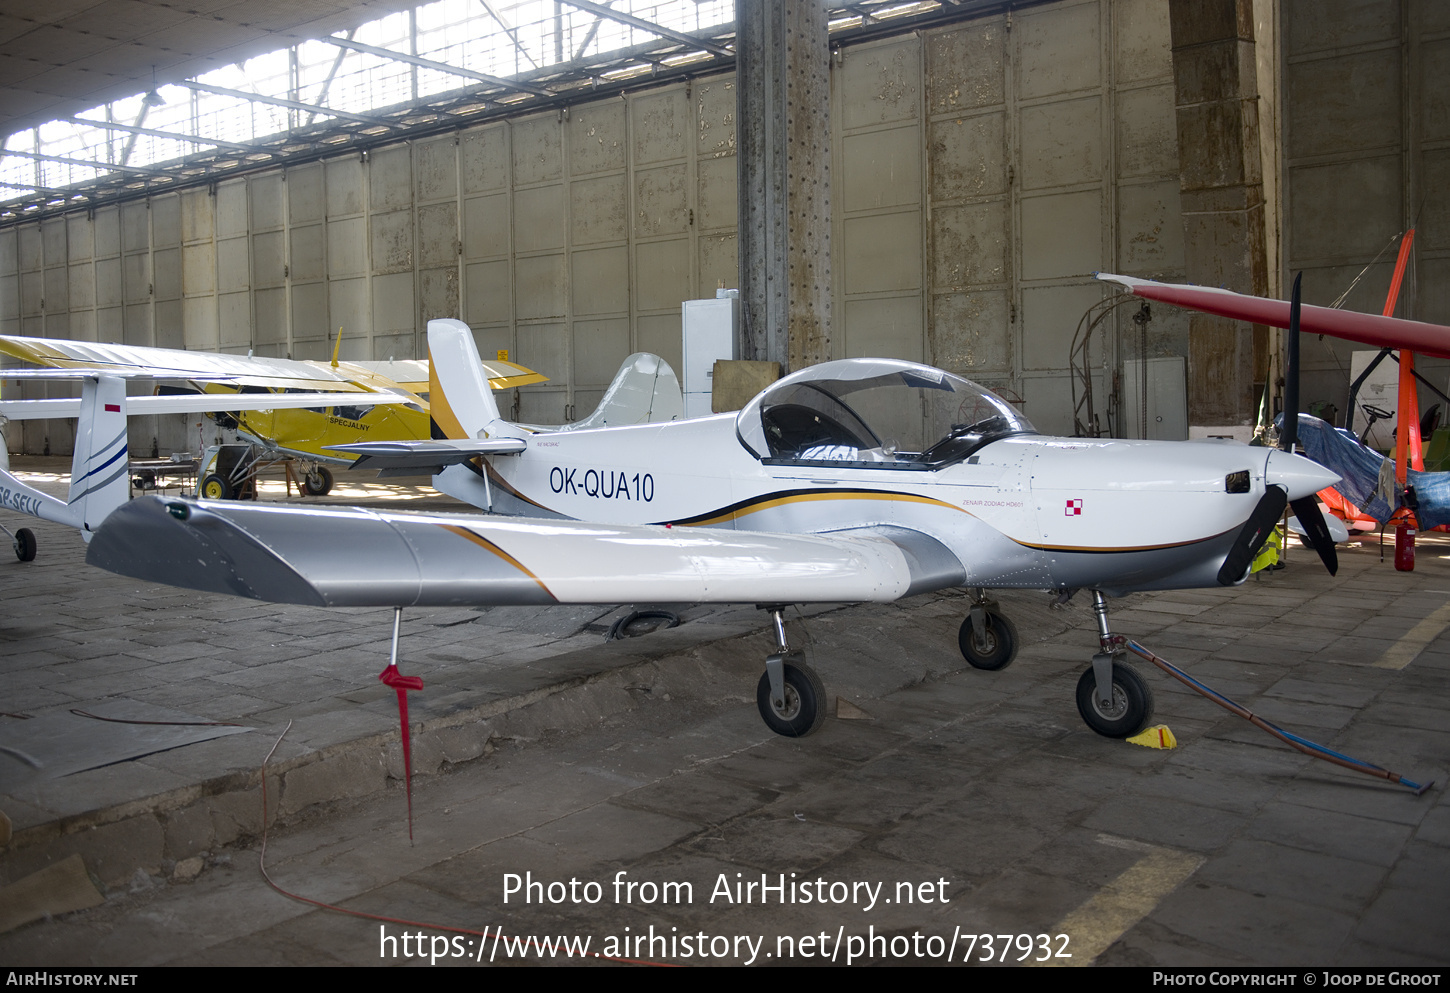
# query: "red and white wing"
{"points": [[1367, 329]]}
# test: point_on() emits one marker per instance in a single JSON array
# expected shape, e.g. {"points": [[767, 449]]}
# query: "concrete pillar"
{"points": [[782, 80], [1221, 187]]}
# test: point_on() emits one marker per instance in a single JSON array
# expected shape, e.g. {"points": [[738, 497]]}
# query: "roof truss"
{"points": [[325, 130]]}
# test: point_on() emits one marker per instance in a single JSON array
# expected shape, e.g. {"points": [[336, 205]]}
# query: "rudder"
{"points": [[460, 402], [100, 468], [644, 391]]}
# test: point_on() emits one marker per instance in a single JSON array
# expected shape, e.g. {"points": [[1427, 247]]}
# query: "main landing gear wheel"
{"points": [[804, 708], [991, 648], [25, 544], [318, 482], [1130, 709], [216, 487]]}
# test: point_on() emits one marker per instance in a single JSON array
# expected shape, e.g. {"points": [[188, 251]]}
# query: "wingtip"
{"points": [[1112, 277]]}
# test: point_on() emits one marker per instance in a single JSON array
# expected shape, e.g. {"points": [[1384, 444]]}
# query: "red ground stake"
{"points": [[392, 677]]}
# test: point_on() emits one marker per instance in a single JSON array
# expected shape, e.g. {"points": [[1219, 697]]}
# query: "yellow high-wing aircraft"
{"points": [[305, 433], [299, 433]]}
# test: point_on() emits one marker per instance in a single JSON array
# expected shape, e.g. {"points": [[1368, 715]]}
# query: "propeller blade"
{"points": [[1316, 531], [1290, 434], [1255, 532]]}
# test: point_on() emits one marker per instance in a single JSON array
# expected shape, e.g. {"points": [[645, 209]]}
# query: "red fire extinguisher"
{"points": [[1405, 546], [1405, 531]]}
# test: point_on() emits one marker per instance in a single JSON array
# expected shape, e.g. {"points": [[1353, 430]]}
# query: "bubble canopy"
{"points": [[874, 413]]}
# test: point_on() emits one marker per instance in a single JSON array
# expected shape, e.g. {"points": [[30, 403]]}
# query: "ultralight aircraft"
{"points": [[277, 431], [852, 480]]}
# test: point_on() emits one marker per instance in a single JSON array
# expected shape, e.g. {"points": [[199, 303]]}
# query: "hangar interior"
{"points": [[933, 181], [983, 160]]}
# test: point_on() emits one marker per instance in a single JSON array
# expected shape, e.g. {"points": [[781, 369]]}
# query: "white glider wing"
{"points": [[248, 370], [172, 363], [187, 403]]}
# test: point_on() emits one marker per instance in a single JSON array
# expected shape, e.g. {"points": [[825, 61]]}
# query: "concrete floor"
{"points": [[964, 803]]}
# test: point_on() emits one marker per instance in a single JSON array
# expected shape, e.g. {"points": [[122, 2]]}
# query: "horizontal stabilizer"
{"points": [[425, 456]]}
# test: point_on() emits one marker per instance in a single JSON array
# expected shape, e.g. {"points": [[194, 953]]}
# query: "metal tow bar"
{"points": [[1293, 740]]}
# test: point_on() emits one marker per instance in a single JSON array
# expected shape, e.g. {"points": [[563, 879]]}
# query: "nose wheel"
{"points": [[1125, 710], [1112, 697]]}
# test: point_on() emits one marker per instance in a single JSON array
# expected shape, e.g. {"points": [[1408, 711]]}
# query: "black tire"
{"points": [[25, 544], [1001, 639], [805, 702], [1132, 706], [215, 487], [318, 482], [641, 622]]}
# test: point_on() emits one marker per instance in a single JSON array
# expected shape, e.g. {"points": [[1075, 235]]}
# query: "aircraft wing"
{"points": [[186, 403], [412, 374], [1368, 329], [351, 557], [249, 370], [173, 363]]}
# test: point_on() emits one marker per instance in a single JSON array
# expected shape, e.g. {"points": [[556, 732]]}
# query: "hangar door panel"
{"points": [[970, 174], [878, 252], [1366, 133], [1051, 152]]}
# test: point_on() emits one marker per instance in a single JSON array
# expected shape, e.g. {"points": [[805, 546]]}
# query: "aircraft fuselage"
{"points": [[1025, 511]]}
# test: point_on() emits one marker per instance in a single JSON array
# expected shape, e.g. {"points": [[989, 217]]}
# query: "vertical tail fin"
{"points": [[644, 391], [99, 480], [459, 398]]}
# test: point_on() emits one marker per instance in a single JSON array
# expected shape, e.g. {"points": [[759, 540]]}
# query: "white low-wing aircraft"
{"points": [[853, 480]]}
